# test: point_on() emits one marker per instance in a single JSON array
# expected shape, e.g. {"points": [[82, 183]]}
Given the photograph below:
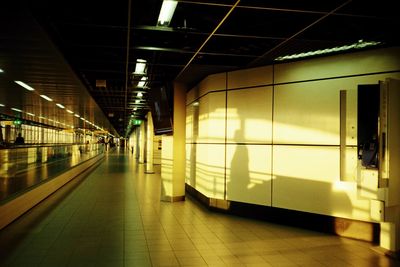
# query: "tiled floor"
{"points": [[114, 217]]}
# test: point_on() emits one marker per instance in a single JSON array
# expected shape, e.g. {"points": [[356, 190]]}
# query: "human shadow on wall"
{"points": [[240, 185]]}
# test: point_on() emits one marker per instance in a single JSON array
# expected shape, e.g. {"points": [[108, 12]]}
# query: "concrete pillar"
{"points": [[173, 151], [142, 142], [7, 133], [149, 144]]}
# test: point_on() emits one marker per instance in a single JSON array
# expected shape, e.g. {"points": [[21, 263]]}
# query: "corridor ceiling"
{"points": [[101, 41]]}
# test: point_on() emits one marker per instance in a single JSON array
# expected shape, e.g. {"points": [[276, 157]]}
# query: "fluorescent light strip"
{"points": [[82, 118], [16, 109], [27, 87], [70, 111], [76, 115], [1, 70], [46, 97], [2, 105], [140, 67], [360, 44], [59, 105], [167, 11], [142, 82], [30, 114]]}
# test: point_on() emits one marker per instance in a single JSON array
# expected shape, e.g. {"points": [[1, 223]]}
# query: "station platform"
{"points": [[114, 217]]}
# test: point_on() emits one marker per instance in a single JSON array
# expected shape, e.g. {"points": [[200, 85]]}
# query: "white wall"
{"points": [[271, 135]]}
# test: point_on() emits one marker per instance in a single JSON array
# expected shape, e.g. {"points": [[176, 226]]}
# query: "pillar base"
{"points": [[172, 199]]}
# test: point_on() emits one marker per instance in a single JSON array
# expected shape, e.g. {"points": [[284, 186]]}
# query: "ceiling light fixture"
{"points": [[140, 94], [16, 109], [76, 115], [1, 70], [27, 87], [70, 111], [30, 114], [2, 105], [46, 97], [140, 67], [142, 82], [59, 105], [167, 11], [360, 44], [137, 101]]}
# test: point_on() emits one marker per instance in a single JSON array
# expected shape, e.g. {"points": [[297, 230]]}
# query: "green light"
{"points": [[137, 122], [17, 122]]}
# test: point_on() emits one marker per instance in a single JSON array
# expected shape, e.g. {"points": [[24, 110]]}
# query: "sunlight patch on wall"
{"points": [[210, 170], [285, 133]]}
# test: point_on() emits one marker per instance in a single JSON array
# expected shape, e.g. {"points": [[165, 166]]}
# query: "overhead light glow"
{"points": [[30, 114], [142, 82], [137, 101], [360, 44], [82, 118], [59, 105], [1, 70], [140, 67], [70, 111], [167, 11], [2, 105], [16, 109], [27, 87], [76, 115], [140, 94], [46, 97], [42, 118]]}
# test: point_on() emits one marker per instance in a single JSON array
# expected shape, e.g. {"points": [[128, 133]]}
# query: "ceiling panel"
{"points": [[85, 41]]}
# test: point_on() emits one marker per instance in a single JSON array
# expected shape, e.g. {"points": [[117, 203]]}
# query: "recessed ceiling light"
{"points": [[46, 97], [140, 67], [167, 11], [27, 87], [360, 44], [16, 109]]}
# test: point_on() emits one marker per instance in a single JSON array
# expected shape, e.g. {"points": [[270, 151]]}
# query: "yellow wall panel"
{"points": [[379, 60], [191, 122], [209, 174], [213, 82], [307, 113], [306, 178], [250, 77], [192, 95], [248, 173], [211, 118], [249, 115]]}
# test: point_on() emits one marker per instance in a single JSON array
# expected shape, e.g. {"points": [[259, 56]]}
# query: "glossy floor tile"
{"points": [[114, 217]]}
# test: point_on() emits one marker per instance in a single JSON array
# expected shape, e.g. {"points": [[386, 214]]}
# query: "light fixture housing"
{"points": [[27, 87], [46, 97], [142, 82], [358, 45], [140, 68], [167, 11]]}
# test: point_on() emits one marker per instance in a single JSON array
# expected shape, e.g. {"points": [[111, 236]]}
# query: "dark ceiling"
{"points": [[101, 40]]}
